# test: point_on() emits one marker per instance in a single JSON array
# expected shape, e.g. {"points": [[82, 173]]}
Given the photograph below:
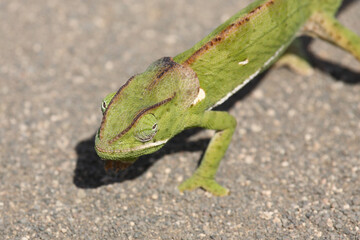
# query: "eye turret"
{"points": [[146, 128], [106, 101]]}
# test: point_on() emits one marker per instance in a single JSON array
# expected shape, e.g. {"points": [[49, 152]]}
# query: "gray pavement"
{"points": [[293, 166]]}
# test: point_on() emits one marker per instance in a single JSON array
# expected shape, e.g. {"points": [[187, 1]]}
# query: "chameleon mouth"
{"points": [[116, 165], [129, 150]]}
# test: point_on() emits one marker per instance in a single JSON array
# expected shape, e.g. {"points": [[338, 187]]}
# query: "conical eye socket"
{"points": [[146, 128], [105, 103], [103, 107]]}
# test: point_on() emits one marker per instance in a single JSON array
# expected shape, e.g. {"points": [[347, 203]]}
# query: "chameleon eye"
{"points": [[146, 128], [103, 107], [106, 101]]}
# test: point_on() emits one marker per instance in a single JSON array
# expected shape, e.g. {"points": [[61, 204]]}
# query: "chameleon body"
{"points": [[177, 93]]}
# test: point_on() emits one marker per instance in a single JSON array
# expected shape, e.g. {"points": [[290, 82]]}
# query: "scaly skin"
{"points": [[175, 94]]}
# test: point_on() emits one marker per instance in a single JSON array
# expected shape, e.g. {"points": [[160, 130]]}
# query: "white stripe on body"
{"points": [[251, 77]]}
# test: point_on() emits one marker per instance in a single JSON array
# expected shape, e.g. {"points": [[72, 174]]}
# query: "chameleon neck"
{"points": [[230, 56]]}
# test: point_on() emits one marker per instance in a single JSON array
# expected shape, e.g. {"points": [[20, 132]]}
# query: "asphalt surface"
{"points": [[293, 166]]}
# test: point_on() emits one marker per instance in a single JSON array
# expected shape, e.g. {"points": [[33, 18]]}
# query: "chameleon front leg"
{"points": [[326, 27], [204, 176]]}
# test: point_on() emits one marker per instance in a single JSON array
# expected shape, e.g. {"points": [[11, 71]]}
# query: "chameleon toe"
{"points": [[208, 184]]}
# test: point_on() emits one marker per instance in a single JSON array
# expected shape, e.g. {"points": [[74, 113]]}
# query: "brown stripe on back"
{"points": [[168, 65], [225, 33], [136, 118], [116, 96]]}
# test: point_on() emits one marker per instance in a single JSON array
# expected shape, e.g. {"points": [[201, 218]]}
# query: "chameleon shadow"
{"points": [[334, 69], [90, 172], [345, 4], [338, 72]]}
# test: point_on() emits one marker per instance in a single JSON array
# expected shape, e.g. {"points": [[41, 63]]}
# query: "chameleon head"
{"points": [[145, 112]]}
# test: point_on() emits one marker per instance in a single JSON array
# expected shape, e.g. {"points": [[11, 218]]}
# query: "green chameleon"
{"points": [[178, 93]]}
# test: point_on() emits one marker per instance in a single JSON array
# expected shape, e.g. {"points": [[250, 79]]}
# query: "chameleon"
{"points": [[177, 93]]}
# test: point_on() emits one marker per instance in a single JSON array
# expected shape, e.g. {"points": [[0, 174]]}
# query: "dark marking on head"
{"points": [[116, 96], [226, 32], [167, 60], [167, 65], [138, 115]]}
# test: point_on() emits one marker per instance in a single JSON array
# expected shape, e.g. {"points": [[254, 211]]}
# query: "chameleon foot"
{"points": [[208, 184], [296, 64]]}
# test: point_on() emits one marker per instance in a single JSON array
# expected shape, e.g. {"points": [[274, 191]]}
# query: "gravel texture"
{"points": [[293, 166]]}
